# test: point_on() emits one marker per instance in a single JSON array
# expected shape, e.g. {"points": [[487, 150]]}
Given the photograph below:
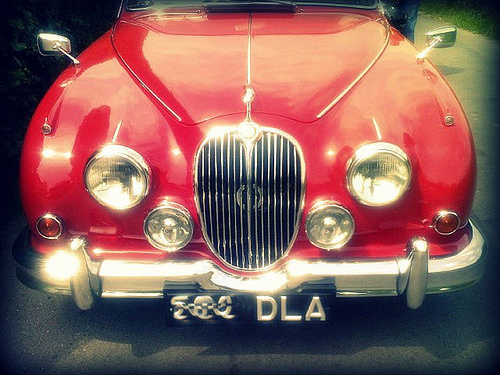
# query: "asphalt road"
{"points": [[453, 333]]}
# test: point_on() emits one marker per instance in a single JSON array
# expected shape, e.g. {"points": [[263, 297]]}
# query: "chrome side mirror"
{"points": [[447, 36], [442, 37], [55, 45]]}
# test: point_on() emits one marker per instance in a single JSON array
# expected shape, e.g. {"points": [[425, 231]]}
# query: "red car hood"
{"points": [[197, 64]]}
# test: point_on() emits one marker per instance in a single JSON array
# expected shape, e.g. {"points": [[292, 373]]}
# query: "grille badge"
{"points": [[248, 132], [257, 192]]}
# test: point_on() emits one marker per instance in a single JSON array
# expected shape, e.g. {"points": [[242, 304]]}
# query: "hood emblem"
{"points": [[247, 202], [248, 132]]}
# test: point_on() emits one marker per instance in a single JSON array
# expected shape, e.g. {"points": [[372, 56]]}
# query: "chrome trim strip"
{"points": [[256, 206], [216, 193], [241, 206], [223, 202], [117, 130], [249, 95], [144, 84], [212, 226], [281, 196], [268, 182], [274, 198], [263, 258], [358, 78], [249, 50], [229, 196], [143, 295], [248, 176], [120, 8], [288, 190]]}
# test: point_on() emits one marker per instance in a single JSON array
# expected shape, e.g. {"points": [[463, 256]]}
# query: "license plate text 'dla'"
{"points": [[315, 310]]}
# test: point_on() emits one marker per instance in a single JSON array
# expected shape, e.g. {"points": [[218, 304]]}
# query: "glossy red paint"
{"points": [[195, 67], [179, 57]]}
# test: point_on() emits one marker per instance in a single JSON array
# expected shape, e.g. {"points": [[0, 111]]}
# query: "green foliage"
{"points": [[25, 75], [479, 16]]}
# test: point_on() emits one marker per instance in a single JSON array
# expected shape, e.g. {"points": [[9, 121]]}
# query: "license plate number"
{"points": [[263, 308]]}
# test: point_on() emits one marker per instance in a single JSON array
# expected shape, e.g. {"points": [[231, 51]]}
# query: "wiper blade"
{"points": [[250, 6]]}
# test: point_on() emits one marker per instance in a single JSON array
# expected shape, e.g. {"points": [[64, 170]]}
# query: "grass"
{"points": [[469, 15]]}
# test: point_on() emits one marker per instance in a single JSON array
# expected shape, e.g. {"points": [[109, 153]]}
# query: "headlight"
{"points": [[169, 227], [117, 177], [329, 226], [378, 174]]}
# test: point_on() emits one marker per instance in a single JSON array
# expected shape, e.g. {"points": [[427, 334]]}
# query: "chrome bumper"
{"points": [[412, 276]]}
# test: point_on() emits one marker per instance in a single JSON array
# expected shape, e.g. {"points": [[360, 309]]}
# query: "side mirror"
{"points": [[442, 37], [51, 44], [447, 36], [55, 45]]}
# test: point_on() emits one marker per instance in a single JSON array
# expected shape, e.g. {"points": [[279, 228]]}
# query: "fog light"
{"points": [[62, 265], [446, 222], [329, 226], [49, 226], [169, 227]]}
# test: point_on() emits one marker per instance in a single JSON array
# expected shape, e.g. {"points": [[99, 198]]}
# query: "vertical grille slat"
{"points": [[229, 195], [223, 195], [268, 195], [281, 197], [209, 180], [263, 205], [242, 232], [274, 181], [249, 197]]}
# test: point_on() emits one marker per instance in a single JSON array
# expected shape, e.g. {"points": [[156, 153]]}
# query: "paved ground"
{"points": [[453, 333]]}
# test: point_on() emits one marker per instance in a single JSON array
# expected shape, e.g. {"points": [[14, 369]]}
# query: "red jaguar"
{"points": [[249, 158]]}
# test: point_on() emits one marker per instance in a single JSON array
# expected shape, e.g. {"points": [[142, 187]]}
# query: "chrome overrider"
{"points": [[412, 277]]}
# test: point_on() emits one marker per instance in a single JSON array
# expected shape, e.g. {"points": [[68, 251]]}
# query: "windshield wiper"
{"points": [[250, 6]]}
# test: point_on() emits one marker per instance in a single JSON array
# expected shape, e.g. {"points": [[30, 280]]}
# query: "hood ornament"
{"points": [[248, 132], [249, 94], [248, 98]]}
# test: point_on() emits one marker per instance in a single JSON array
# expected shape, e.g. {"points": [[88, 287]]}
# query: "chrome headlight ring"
{"points": [[169, 227], [117, 177], [329, 226], [378, 174]]}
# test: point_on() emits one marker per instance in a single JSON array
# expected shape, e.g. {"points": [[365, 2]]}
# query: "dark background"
{"points": [[25, 75]]}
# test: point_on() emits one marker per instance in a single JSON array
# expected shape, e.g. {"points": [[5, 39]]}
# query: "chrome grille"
{"points": [[249, 197]]}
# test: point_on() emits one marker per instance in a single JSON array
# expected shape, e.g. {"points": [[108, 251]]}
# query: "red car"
{"points": [[249, 158]]}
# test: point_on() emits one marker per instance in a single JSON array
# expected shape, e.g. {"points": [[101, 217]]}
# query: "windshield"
{"points": [[144, 4]]}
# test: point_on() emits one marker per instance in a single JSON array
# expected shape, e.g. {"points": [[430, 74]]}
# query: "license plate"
{"points": [[299, 307]]}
